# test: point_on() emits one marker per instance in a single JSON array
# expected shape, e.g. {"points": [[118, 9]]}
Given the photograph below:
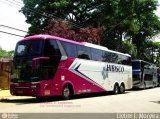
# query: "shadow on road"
{"points": [[136, 89], [140, 89], [158, 102], [54, 99]]}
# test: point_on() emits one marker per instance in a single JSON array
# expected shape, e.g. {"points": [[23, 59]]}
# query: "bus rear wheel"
{"points": [[116, 89], [154, 84], [144, 86], [67, 92], [122, 89]]}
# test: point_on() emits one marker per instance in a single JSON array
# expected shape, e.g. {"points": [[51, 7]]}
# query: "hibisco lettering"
{"points": [[111, 68]]}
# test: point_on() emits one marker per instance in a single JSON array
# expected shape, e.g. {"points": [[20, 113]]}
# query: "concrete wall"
{"points": [[5, 67]]}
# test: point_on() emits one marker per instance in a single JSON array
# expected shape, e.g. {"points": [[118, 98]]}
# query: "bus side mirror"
{"points": [[35, 61]]}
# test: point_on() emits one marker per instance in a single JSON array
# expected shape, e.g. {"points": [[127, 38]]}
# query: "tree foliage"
{"points": [[4, 53], [152, 52], [38, 12], [136, 20], [127, 24], [60, 28], [128, 47]]}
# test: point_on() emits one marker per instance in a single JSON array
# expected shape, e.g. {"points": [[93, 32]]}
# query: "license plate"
{"points": [[20, 91], [47, 92]]}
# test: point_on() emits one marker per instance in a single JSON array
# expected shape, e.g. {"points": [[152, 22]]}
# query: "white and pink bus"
{"points": [[45, 65]]}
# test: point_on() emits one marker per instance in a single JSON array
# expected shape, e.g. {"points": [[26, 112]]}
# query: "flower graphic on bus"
{"points": [[104, 73]]}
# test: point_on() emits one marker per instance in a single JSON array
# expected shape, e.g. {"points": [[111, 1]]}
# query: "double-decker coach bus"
{"points": [[45, 65], [144, 74]]}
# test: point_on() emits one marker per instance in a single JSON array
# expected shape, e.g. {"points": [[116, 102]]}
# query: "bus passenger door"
{"points": [[50, 66], [52, 51]]}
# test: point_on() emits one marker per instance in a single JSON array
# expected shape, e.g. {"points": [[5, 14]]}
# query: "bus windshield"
{"points": [[29, 48], [26, 51]]}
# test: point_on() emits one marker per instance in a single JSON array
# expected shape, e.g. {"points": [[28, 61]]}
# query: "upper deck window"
{"points": [[97, 55], [70, 49], [29, 48], [110, 57], [125, 60], [83, 52]]}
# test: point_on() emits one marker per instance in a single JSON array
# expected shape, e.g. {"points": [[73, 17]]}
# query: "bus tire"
{"points": [[122, 89], [67, 92], [144, 86], [154, 84], [116, 89], [40, 98]]}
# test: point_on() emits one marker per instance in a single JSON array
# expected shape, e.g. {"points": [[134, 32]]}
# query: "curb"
{"points": [[6, 98], [5, 95]]}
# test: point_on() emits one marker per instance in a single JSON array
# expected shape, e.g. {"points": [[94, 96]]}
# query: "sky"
{"points": [[10, 16]]}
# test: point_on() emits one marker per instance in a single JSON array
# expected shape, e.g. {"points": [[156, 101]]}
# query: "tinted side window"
{"points": [[51, 48], [125, 60], [107, 56], [70, 49], [83, 52], [128, 61], [97, 55], [114, 58], [110, 57]]}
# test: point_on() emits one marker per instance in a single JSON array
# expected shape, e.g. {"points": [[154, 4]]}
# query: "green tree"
{"points": [[4, 53], [148, 22], [136, 20], [128, 47], [151, 52], [38, 12]]}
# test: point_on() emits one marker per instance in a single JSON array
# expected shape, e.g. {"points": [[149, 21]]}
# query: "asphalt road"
{"points": [[135, 101]]}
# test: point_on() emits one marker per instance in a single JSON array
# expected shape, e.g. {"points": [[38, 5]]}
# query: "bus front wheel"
{"points": [[67, 92]]}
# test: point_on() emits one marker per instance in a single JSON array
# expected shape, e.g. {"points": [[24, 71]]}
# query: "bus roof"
{"points": [[95, 46], [137, 60], [50, 37], [71, 41], [102, 48]]}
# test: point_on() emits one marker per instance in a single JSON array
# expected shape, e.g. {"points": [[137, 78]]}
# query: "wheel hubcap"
{"points": [[66, 92], [116, 89]]}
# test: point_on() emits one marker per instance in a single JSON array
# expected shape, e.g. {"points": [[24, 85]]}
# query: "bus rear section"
{"points": [[144, 74]]}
